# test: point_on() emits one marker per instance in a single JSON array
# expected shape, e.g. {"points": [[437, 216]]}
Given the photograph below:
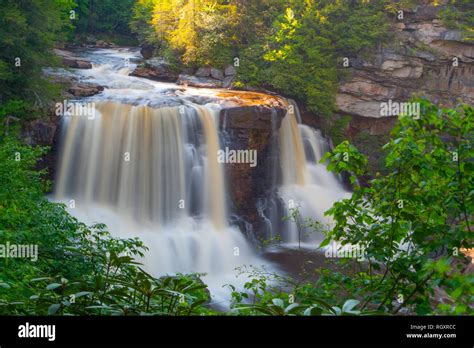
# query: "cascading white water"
{"points": [[306, 183], [146, 166], [153, 174]]}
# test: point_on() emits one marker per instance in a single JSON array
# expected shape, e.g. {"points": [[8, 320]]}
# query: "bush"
{"points": [[414, 221]]}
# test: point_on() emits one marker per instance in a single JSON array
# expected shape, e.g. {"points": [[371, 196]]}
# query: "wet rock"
{"points": [[251, 128], [71, 61], [104, 44], [153, 74], [195, 81], [85, 89], [156, 69]]}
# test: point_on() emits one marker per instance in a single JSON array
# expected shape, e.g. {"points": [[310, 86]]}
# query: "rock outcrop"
{"points": [[424, 59], [250, 128], [196, 81], [71, 61], [209, 78], [147, 51], [85, 89], [156, 69]]}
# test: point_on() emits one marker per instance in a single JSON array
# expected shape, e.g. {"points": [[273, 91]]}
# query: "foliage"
{"points": [[459, 14], [413, 221], [103, 17], [337, 130], [28, 30], [412, 224], [267, 293], [270, 38], [79, 270]]}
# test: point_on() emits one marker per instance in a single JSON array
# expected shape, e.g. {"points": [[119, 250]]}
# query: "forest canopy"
{"points": [[292, 46]]}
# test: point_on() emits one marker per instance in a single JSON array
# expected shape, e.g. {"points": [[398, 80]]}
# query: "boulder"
{"points": [[103, 44], [71, 61], [195, 81], [217, 74], [230, 70], [203, 72], [188, 71], [40, 132], [85, 89], [228, 82], [156, 69], [147, 51]]}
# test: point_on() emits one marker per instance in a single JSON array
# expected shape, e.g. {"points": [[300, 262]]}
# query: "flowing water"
{"points": [[146, 165], [306, 183]]}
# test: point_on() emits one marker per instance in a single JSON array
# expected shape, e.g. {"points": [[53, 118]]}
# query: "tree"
{"points": [[28, 30], [110, 17], [414, 221]]}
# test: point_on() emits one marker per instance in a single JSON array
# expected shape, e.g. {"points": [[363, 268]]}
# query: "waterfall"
{"points": [[306, 183], [153, 173], [146, 166]]}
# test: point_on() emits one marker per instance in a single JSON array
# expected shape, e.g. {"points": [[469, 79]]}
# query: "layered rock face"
{"points": [[424, 59]]}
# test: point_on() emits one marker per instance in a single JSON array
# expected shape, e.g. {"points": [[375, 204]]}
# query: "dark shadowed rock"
{"points": [[40, 132], [251, 127], [217, 74], [230, 70], [147, 51], [188, 71], [203, 72]]}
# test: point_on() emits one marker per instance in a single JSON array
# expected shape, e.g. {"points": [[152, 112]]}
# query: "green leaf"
{"points": [[53, 286], [349, 305], [82, 293], [278, 302], [53, 308], [311, 311], [5, 285], [39, 279]]}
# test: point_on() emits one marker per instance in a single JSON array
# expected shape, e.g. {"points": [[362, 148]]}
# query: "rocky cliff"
{"points": [[423, 58]]}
